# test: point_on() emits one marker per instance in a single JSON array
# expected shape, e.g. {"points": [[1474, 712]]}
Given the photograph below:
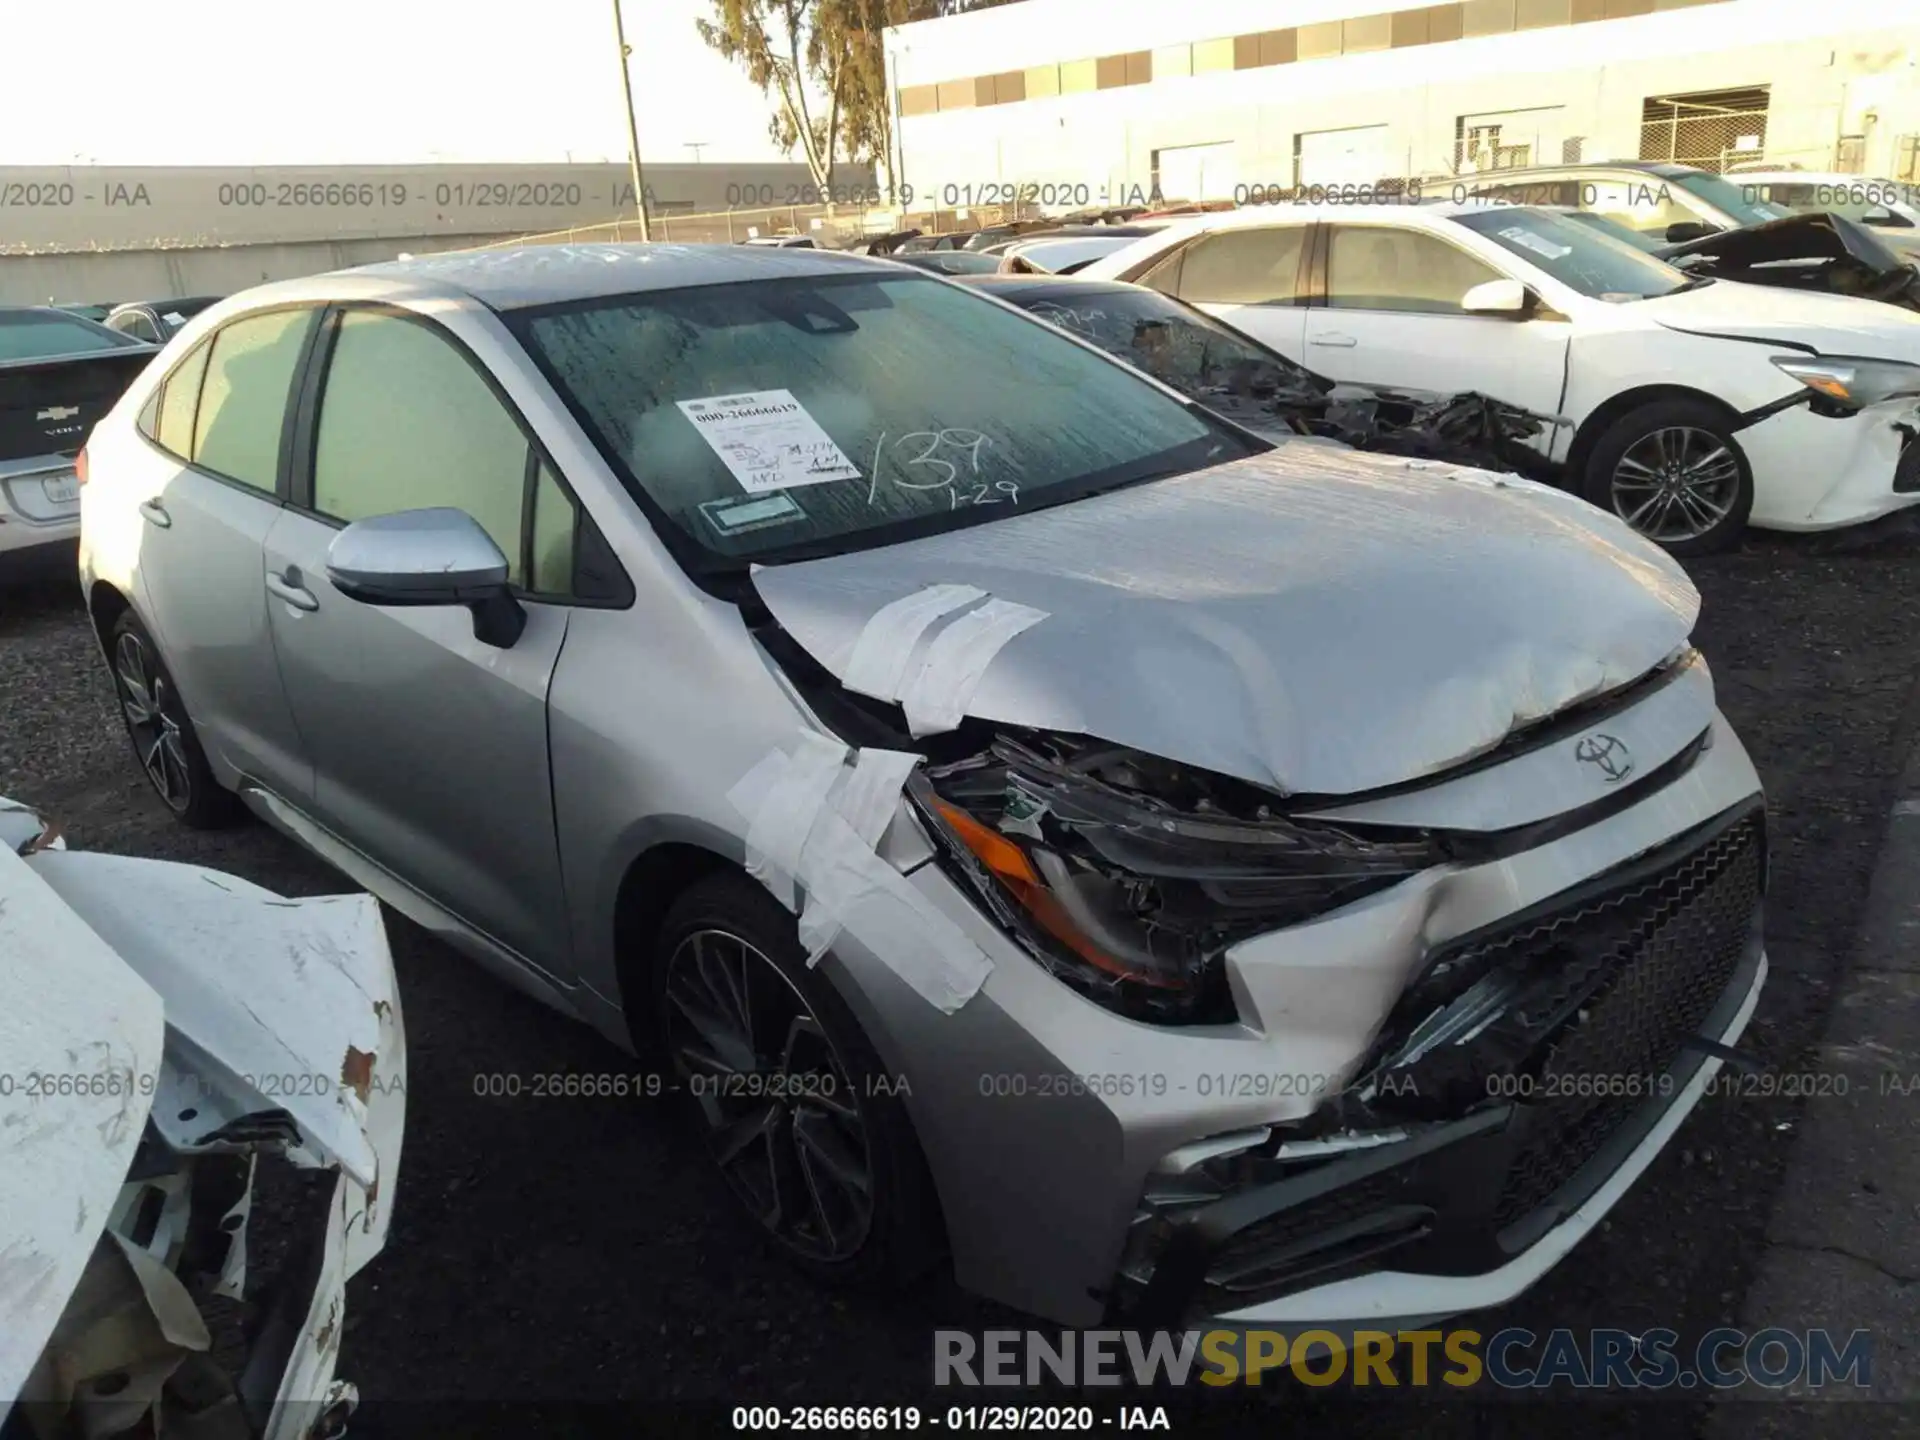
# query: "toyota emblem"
{"points": [[1606, 753]]}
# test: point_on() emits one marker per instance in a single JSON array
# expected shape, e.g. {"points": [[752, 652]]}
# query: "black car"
{"points": [[59, 373], [949, 262], [154, 321], [1235, 376]]}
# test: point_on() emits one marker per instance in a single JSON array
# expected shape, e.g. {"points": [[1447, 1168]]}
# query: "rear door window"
{"points": [[180, 402], [243, 398], [1243, 267]]}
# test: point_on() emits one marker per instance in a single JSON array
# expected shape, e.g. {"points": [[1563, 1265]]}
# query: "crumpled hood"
{"points": [[1314, 620]]}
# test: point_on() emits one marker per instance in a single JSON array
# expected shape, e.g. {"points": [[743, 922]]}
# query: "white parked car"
{"points": [[1693, 406], [165, 1032]]}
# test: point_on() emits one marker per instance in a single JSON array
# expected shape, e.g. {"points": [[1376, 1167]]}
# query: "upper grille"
{"points": [[1688, 931]]}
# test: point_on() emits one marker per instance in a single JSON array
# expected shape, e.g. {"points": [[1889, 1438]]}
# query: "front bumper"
{"points": [[1046, 1119], [1599, 1056], [1815, 472]]}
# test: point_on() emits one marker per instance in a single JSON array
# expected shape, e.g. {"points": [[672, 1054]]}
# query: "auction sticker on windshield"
{"points": [[768, 440]]}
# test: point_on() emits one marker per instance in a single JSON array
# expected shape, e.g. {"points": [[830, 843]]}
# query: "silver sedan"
{"points": [[1033, 821]]}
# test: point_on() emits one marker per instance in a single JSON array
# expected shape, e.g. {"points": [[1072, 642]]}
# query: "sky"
{"points": [[291, 82]]}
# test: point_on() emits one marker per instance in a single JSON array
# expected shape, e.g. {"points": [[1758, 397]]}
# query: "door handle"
{"points": [[289, 589], [1338, 342], [155, 513]]}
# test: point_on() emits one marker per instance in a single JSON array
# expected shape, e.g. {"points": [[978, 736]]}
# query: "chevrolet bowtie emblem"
{"points": [[57, 412]]}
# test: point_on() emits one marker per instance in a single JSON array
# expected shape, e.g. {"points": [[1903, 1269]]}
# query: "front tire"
{"points": [[164, 742], [798, 1115], [1673, 471]]}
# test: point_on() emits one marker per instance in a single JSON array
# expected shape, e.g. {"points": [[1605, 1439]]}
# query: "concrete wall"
{"points": [[1828, 66], [107, 208], [160, 274]]}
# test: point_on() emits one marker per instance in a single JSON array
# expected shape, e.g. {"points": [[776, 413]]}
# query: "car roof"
{"points": [[514, 277]]}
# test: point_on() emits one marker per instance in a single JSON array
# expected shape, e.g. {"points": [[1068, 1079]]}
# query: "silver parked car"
{"points": [[1035, 820]]}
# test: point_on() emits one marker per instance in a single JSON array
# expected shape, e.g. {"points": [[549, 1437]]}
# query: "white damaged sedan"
{"points": [[165, 1031]]}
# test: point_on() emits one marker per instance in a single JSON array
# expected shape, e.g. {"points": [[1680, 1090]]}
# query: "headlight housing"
{"points": [[1853, 381], [1129, 876]]}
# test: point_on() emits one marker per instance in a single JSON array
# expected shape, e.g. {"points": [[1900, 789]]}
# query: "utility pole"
{"points": [[696, 146], [633, 128]]}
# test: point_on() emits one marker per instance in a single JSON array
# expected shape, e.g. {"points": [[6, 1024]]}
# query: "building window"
{"points": [[1407, 27], [1042, 81], [1172, 62], [919, 99], [1211, 55], [956, 94], [1539, 14], [1621, 9], [1078, 75], [1279, 47], [1009, 86], [1319, 42], [1368, 32], [1585, 12], [1486, 17]]}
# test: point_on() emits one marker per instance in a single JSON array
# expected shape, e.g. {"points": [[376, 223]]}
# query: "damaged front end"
{"points": [[1128, 876], [1510, 1084], [198, 1062], [1466, 429], [1822, 252]]}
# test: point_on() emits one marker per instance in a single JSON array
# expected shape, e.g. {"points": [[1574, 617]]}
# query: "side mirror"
{"points": [[1498, 298], [1682, 231], [428, 557]]}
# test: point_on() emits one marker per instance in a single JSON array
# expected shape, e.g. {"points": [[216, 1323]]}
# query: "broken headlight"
{"points": [[1129, 876]]}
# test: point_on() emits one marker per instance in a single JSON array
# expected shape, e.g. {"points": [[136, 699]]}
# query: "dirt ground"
{"points": [[560, 1250]]}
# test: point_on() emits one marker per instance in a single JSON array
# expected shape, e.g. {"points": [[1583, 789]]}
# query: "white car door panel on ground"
{"points": [[1393, 317], [407, 422], [199, 570]]}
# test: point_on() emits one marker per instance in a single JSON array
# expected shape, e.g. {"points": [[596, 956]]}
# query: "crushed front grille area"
{"points": [[1602, 990]]}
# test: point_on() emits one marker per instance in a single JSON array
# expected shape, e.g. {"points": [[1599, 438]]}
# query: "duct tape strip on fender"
{"points": [[814, 822]]}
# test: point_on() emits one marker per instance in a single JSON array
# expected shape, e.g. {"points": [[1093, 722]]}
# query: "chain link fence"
{"points": [[831, 227]]}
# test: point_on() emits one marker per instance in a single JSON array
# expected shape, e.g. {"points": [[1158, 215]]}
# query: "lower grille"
{"points": [[1906, 475], [1686, 944]]}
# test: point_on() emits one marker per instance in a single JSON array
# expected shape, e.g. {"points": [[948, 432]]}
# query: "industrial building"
{"points": [[1221, 99], [104, 232]]}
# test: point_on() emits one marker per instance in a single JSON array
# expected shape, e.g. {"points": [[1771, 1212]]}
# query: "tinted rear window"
{"points": [[41, 334]]}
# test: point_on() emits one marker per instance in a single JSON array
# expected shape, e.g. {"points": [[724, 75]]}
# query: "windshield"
{"points": [[1198, 356], [1867, 202], [1582, 257], [41, 334], [1739, 202], [783, 418]]}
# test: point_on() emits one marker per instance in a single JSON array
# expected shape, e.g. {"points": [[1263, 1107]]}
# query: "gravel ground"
{"points": [[578, 1250]]}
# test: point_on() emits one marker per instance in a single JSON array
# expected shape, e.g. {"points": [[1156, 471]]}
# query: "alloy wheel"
{"points": [[1676, 483], [153, 720], [779, 1108]]}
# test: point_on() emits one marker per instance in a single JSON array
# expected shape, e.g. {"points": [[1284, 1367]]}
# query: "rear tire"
{"points": [[1673, 471], [164, 743], [788, 1092]]}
